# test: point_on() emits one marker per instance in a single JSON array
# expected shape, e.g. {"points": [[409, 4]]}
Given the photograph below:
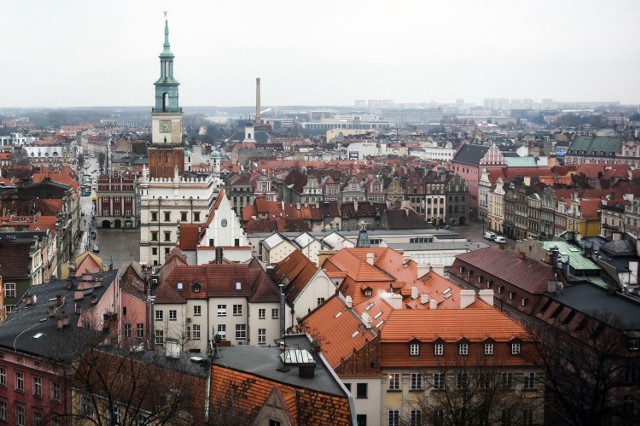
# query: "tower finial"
{"points": [[167, 47]]}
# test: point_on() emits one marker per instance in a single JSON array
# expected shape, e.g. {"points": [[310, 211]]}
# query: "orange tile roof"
{"points": [[338, 329], [189, 236], [298, 270], [249, 392]]}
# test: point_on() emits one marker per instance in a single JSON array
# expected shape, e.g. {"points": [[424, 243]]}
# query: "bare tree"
{"points": [[101, 159], [123, 388], [473, 392], [592, 376]]}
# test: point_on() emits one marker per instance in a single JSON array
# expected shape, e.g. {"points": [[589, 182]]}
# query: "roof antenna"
{"points": [[283, 342]]}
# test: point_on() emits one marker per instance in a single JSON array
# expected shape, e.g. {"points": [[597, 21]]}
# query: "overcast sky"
{"points": [[105, 53]]}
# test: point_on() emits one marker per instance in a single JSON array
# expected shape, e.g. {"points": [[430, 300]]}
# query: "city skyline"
{"points": [[76, 54]]}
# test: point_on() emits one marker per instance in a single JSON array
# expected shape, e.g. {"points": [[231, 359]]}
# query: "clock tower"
{"points": [[166, 151]]}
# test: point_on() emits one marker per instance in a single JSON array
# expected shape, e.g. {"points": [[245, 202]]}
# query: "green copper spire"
{"points": [[166, 85], [167, 47], [363, 237]]}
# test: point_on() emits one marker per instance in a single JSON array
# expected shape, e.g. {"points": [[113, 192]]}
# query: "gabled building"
{"points": [[116, 205], [193, 303], [603, 149]]}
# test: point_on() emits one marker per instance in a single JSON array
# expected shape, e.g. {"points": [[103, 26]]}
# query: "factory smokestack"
{"points": [[258, 100]]}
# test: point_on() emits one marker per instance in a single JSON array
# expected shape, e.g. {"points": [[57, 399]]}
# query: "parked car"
{"points": [[490, 235], [500, 240], [96, 249]]}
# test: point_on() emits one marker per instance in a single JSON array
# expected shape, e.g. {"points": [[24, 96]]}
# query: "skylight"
{"points": [[369, 306], [355, 333], [378, 325], [378, 315], [38, 335]]}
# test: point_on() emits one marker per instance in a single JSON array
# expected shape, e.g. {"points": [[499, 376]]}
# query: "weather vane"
{"points": [[165, 13]]}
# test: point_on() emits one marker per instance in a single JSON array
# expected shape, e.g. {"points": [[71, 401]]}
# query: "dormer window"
{"points": [[414, 349], [479, 278], [500, 288], [634, 344], [489, 283], [515, 348], [461, 269], [196, 287], [512, 294], [469, 273], [438, 349], [367, 293], [463, 348], [523, 302]]}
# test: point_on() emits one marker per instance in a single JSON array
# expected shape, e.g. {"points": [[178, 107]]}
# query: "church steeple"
{"points": [[167, 85]]}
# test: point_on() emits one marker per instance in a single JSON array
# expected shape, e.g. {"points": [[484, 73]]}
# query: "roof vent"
{"points": [[349, 302]]}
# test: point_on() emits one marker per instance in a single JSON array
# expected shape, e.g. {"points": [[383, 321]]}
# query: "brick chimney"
{"points": [[371, 257], [414, 292], [433, 304], [394, 300]]}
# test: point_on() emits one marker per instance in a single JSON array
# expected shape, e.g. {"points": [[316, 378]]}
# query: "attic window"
{"points": [[479, 278], [180, 285], [367, 293], [500, 288], [377, 315], [196, 287], [369, 306], [238, 285], [489, 283], [523, 302], [461, 269], [355, 333], [512, 294], [469, 273], [378, 325]]}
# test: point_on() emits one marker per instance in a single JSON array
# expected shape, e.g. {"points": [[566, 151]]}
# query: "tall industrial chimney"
{"points": [[258, 100]]}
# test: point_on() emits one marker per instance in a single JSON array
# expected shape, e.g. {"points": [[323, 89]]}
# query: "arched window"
{"points": [[165, 101]]}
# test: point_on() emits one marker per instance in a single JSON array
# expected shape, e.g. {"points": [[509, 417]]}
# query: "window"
{"points": [[500, 288], [507, 380], [166, 251], [416, 381], [222, 310], [19, 381], [154, 251], [127, 330], [438, 349], [361, 390], [222, 331], [414, 349], [37, 418], [19, 415], [241, 331], [159, 315], [196, 332], [361, 419], [154, 236], [140, 330], [527, 417], [37, 386], [115, 417], [505, 418], [515, 349], [262, 313], [237, 310], [319, 301], [415, 418], [167, 216], [3, 410], [274, 422], [488, 348], [173, 315], [183, 216], [85, 406], [275, 313], [159, 337], [438, 380], [462, 381], [438, 417], [55, 421], [394, 418], [634, 344], [463, 349], [197, 310], [512, 294], [55, 391], [3, 376], [196, 216], [10, 290], [523, 302], [196, 287], [167, 235], [529, 381], [262, 336], [154, 216], [484, 380], [394, 381]]}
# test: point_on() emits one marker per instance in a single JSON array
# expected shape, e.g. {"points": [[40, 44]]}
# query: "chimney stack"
{"points": [[394, 300], [366, 319], [433, 304], [258, 100], [467, 297], [349, 302], [414, 292], [424, 299], [487, 296], [371, 258]]}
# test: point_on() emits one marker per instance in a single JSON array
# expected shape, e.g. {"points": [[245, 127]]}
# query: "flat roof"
{"points": [[265, 362]]}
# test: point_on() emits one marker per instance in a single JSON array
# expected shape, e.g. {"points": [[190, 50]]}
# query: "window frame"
{"points": [[414, 349], [416, 382], [438, 349], [7, 290], [394, 382], [241, 331], [197, 310], [19, 384]]}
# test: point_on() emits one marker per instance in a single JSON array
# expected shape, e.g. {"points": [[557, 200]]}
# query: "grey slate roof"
{"points": [[260, 137], [19, 330], [265, 362], [588, 298], [470, 154]]}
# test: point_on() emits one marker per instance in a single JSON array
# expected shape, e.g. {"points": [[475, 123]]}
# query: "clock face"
{"points": [[165, 126]]}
